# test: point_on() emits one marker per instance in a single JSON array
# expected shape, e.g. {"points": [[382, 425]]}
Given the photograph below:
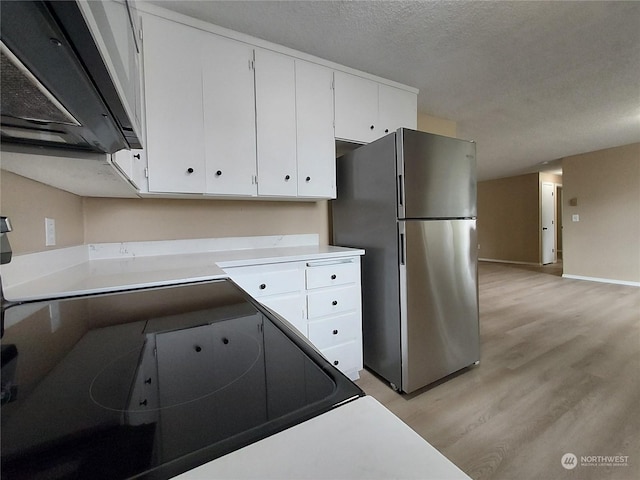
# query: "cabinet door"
{"points": [[356, 104], [173, 98], [229, 116], [396, 108], [276, 124], [316, 146], [290, 307], [131, 164]]}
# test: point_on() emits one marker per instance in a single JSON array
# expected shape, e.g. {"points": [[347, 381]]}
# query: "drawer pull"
{"points": [[336, 362], [335, 332], [334, 276], [334, 303], [263, 286]]}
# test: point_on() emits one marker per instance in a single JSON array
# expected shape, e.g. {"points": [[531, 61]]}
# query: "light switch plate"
{"points": [[50, 232]]}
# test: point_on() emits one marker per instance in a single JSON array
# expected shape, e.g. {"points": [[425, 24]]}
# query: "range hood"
{"points": [[70, 75]]}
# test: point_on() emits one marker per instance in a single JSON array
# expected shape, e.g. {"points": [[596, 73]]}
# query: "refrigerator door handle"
{"points": [[402, 252], [400, 192]]}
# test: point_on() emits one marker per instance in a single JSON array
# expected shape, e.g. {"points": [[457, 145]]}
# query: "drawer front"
{"points": [[291, 308], [335, 330], [333, 301], [334, 274], [268, 281], [346, 357]]}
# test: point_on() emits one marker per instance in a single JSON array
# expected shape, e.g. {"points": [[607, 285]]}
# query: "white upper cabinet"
{"points": [[276, 124], [316, 146], [229, 116], [294, 127], [174, 107], [367, 110], [356, 104], [200, 111], [396, 108]]}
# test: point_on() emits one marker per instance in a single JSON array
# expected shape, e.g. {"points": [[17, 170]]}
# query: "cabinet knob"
{"points": [[218, 173], [143, 403], [197, 348], [189, 170], [336, 362], [334, 303], [335, 332], [333, 277], [287, 177], [371, 127], [263, 286], [386, 130], [137, 155], [308, 179]]}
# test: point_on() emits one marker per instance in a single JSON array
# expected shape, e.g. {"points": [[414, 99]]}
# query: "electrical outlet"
{"points": [[49, 232]]}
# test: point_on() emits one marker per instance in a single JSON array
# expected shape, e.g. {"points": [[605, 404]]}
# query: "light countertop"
{"points": [[99, 268], [357, 440]]}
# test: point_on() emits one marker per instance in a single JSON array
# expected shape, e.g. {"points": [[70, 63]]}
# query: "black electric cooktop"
{"points": [[150, 383]]}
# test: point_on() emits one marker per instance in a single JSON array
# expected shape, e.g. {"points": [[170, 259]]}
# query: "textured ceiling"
{"points": [[529, 81]]}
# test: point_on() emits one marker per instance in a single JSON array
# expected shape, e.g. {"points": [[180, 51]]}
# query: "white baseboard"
{"points": [[601, 280], [495, 260]]}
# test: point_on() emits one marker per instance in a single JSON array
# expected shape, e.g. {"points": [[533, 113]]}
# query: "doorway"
{"points": [[558, 222], [548, 234]]}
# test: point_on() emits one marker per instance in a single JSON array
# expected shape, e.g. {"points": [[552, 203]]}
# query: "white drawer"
{"points": [[332, 301], [290, 307], [266, 280], [346, 357], [333, 331], [333, 274]]}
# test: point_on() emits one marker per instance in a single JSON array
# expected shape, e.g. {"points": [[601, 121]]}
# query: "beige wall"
{"points": [[93, 220], [114, 220], [605, 243], [439, 126], [27, 203], [508, 219]]}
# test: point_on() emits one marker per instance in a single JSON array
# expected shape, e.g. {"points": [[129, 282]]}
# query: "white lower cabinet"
{"points": [[279, 286], [334, 312], [321, 298], [290, 307]]}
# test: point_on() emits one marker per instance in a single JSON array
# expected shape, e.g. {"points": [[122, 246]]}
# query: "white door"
{"points": [[356, 108], [229, 116], [548, 224], [173, 96], [316, 143], [276, 124], [396, 108]]}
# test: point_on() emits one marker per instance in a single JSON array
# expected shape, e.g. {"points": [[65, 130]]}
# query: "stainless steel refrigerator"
{"points": [[409, 199]]}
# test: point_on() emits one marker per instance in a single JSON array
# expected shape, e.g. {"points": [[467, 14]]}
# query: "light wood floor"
{"points": [[559, 373]]}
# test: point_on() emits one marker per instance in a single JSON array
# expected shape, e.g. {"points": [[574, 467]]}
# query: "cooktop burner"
{"points": [[152, 382]]}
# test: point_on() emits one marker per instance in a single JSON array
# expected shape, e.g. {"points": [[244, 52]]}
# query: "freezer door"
{"points": [[437, 176], [439, 319]]}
